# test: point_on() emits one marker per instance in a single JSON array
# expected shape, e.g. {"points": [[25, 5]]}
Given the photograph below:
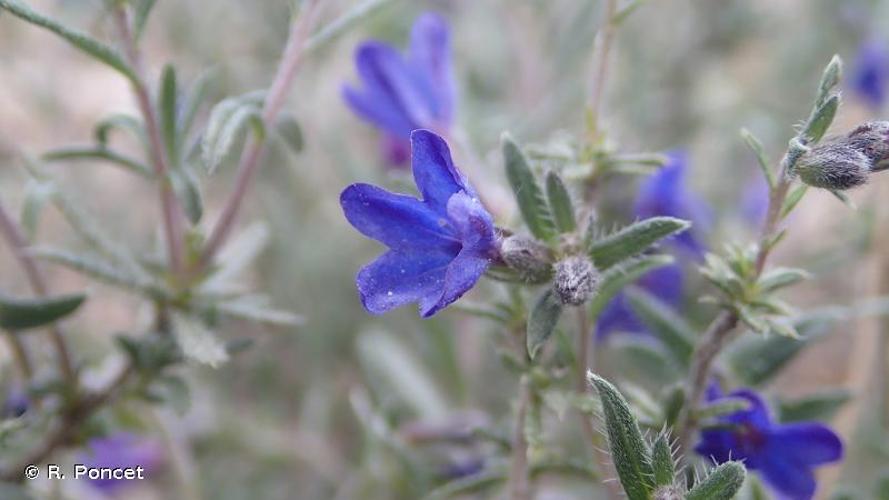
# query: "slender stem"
{"points": [[18, 244], [21, 355], [721, 330], [250, 159], [519, 481], [600, 74], [171, 213]]}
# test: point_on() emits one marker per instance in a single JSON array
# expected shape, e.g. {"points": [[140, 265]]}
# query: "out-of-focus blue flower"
{"points": [[755, 201], [666, 193], [15, 404], [402, 93], [121, 449], [663, 194], [463, 468], [870, 73], [783, 454], [439, 246]]}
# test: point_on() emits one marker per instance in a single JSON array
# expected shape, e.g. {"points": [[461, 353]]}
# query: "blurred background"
{"points": [[337, 408]]}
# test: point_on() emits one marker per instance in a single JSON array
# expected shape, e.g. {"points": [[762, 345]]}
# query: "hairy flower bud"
{"points": [[529, 257], [872, 139], [577, 279], [835, 165]]}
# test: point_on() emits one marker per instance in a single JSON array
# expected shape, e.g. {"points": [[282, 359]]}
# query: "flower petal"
{"points": [[398, 221], [757, 416], [398, 278], [430, 56], [794, 480], [434, 172], [391, 97], [806, 442]]}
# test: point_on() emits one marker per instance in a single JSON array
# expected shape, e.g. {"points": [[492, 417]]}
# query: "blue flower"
{"points": [[124, 450], [755, 201], [662, 194], [15, 404], [783, 454], [870, 73], [402, 93], [439, 246]]}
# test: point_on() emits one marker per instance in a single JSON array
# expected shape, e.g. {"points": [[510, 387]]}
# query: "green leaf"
{"points": [[781, 277], [168, 109], [198, 342], [90, 153], [469, 485], [830, 78], [185, 185], [290, 131], [542, 320], [122, 122], [197, 95], [141, 10], [23, 314], [793, 199], [673, 400], [227, 121], [844, 199], [722, 407], [675, 333], [257, 310], [617, 277], [628, 450], [633, 240], [722, 483], [79, 40], [37, 195], [662, 461], [527, 192], [821, 405], [756, 360], [93, 267], [822, 117], [560, 203], [761, 160]]}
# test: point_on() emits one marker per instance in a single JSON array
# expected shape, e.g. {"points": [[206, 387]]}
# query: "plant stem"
{"points": [[21, 355], [250, 159], [519, 482], [720, 331], [600, 74], [171, 213], [18, 244]]}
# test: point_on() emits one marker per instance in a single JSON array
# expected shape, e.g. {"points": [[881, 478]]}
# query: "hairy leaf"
{"points": [[662, 461], [617, 277], [560, 203], [528, 194], [633, 240], [722, 483], [761, 159], [542, 320], [22, 314]]}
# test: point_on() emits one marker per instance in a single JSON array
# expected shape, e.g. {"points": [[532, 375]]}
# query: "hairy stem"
{"points": [[18, 244], [722, 329], [519, 481], [250, 159], [171, 213]]}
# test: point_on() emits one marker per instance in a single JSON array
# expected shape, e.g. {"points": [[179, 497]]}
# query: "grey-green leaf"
{"points": [[141, 10], [542, 320], [628, 450], [662, 461], [761, 159], [781, 277], [527, 192], [168, 113], [830, 78], [560, 203], [90, 153], [79, 40], [675, 333], [722, 483], [290, 131], [617, 277], [22, 314], [822, 117], [821, 405], [185, 185], [198, 342], [227, 120], [633, 240]]}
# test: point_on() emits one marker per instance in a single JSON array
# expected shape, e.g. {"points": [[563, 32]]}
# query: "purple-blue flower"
{"points": [[439, 245], [870, 73], [402, 93], [663, 194], [783, 454], [121, 449], [15, 404]]}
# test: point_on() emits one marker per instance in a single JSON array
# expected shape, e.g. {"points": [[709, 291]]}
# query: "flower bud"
{"points": [[835, 165], [577, 280], [872, 139], [530, 258]]}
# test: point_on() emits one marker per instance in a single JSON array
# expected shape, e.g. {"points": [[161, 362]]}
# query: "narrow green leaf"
{"points": [[722, 483], [90, 153], [542, 320], [37, 195], [662, 461], [227, 121], [474, 484], [793, 199], [628, 450], [761, 159], [528, 195], [673, 400], [617, 277], [79, 40], [560, 203], [141, 10], [198, 342], [830, 78], [290, 131], [97, 269], [185, 185], [844, 199], [633, 240], [675, 333], [196, 97], [821, 119], [168, 113], [22, 314], [343, 23], [821, 405], [259, 311], [781, 277], [123, 122]]}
